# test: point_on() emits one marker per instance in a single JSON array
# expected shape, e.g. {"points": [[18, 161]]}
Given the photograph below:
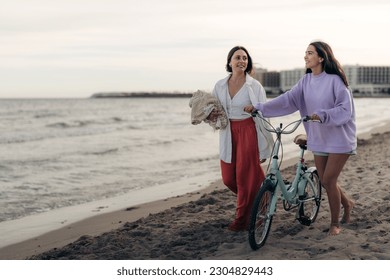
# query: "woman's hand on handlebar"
{"points": [[314, 118], [249, 109]]}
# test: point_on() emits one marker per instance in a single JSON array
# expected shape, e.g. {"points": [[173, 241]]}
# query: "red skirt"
{"points": [[244, 174]]}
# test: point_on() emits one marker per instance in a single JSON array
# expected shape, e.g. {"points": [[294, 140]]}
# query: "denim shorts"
{"points": [[324, 154]]}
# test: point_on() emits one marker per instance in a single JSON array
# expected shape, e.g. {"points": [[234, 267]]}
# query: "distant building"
{"points": [[288, 78], [258, 74], [272, 82], [368, 80], [269, 80], [363, 80]]}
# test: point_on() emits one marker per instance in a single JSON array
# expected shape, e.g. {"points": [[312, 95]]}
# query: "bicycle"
{"points": [[303, 194]]}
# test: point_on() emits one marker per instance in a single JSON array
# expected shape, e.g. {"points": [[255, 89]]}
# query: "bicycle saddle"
{"points": [[300, 139]]}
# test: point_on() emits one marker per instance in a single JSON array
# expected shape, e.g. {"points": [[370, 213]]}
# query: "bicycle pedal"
{"points": [[304, 220]]}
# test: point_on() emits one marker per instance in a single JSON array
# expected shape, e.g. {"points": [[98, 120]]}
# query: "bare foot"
{"points": [[347, 213], [334, 229]]}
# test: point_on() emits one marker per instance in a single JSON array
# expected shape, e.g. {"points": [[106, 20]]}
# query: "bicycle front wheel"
{"points": [[261, 220]]}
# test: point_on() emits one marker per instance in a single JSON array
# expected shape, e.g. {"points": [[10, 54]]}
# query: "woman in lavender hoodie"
{"points": [[323, 94]]}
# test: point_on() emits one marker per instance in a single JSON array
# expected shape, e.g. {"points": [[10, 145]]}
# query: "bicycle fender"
{"points": [[311, 169]]}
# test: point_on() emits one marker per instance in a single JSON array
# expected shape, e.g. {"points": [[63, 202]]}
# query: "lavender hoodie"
{"points": [[327, 96]]}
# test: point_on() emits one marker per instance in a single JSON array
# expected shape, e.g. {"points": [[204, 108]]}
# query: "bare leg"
{"points": [[348, 204], [329, 169]]}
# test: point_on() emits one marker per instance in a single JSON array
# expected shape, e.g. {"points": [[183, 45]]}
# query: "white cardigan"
{"points": [[256, 95]]}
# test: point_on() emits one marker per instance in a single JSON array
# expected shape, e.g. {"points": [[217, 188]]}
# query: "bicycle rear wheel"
{"points": [[261, 220], [309, 207]]}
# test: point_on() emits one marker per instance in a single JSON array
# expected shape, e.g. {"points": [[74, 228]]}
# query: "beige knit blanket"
{"points": [[202, 104]]}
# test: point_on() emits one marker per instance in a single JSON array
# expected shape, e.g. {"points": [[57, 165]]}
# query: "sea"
{"points": [[63, 160]]}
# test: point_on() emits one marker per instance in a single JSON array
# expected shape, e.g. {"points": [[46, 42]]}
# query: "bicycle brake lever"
{"points": [[254, 113]]}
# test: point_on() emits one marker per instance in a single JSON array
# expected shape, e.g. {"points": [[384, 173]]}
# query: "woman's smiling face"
{"points": [[239, 61], [312, 59]]}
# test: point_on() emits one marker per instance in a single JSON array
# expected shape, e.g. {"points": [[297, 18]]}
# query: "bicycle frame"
{"points": [[290, 192]]}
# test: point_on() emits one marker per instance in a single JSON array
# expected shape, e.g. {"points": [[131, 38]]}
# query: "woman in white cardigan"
{"points": [[244, 143]]}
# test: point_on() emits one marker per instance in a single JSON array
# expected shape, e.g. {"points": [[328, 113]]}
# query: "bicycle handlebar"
{"points": [[280, 130]]}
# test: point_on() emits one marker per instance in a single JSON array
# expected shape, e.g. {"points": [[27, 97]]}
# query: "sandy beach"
{"points": [[194, 226]]}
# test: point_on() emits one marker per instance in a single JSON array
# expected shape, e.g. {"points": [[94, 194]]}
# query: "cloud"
{"points": [[182, 44]]}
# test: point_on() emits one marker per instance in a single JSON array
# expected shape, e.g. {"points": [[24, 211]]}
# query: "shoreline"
{"points": [[94, 226], [29, 227]]}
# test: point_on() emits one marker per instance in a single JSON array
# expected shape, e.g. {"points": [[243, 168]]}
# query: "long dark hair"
{"points": [[230, 55], [329, 64]]}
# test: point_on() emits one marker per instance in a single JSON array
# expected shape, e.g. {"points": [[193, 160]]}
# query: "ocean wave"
{"points": [[84, 123], [46, 115], [144, 143], [197, 160], [135, 127], [104, 152], [71, 124], [19, 138]]}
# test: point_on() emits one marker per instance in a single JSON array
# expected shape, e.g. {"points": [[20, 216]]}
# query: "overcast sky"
{"points": [[74, 48]]}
